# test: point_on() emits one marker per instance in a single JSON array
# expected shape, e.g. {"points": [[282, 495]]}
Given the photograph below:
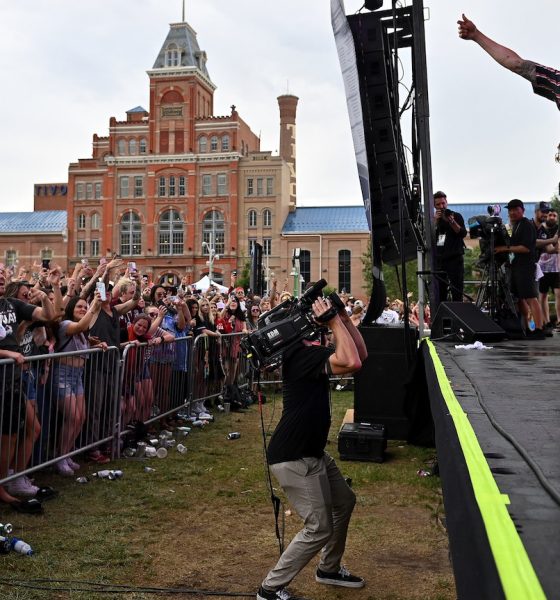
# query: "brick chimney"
{"points": [[288, 106]]}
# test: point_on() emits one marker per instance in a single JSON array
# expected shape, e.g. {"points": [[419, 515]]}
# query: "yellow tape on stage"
{"points": [[517, 576]]}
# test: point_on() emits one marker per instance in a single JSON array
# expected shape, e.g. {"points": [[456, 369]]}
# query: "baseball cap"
{"points": [[515, 203], [544, 207]]}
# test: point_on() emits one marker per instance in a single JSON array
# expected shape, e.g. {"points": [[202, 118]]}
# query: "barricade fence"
{"points": [[58, 405]]}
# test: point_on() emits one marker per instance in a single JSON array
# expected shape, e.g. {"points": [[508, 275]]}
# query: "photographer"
{"points": [[523, 283], [308, 475], [449, 249]]}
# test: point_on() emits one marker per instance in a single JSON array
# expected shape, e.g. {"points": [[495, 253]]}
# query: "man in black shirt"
{"points": [[523, 246], [449, 249], [310, 478]]}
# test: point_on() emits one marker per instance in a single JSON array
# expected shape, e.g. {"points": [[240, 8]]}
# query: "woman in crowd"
{"points": [[68, 375], [253, 315], [231, 320]]}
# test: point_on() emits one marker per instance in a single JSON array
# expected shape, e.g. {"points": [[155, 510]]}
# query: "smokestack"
{"points": [[288, 106]]}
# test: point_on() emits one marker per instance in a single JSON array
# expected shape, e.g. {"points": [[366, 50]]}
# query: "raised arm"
{"points": [[502, 55]]}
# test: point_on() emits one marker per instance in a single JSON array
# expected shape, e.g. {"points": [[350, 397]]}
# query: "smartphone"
{"points": [[102, 261], [85, 262], [46, 264], [100, 287], [234, 273], [132, 266]]}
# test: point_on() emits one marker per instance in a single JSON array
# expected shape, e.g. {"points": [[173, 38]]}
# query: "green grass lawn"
{"points": [[204, 520]]}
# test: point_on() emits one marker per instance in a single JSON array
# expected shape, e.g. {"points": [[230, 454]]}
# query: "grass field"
{"points": [[203, 520]]}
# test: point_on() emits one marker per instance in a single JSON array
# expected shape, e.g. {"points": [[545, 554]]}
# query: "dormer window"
{"points": [[172, 56]]}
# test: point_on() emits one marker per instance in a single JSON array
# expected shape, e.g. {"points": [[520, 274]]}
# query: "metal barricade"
{"points": [[55, 406]]}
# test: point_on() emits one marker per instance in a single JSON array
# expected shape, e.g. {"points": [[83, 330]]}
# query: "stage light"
{"points": [[373, 4]]}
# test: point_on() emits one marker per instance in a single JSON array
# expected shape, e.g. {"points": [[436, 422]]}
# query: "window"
{"points": [[250, 186], [94, 248], [132, 146], [172, 185], [121, 147], [138, 187], [252, 218], [11, 258], [213, 232], [344, 280], [182, 186], [81, 221], [131, 234], [123, 187], [170, 233], [89, 191], [143, 146], [270, 186], [203, 144], [172, 56], [98, 190], [79, 191], [214, 143], [259, 186], [305, 265], [206, 185], [161, 192], [251, 247], [222, 184], [267, 246], [81, 248], [267, 218], [95, 221], [225, 143]]}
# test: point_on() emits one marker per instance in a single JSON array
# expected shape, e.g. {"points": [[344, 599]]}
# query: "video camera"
{"points": [[286, 325], [483, 228]]}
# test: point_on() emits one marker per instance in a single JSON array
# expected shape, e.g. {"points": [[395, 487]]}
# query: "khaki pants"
{"points": [[318, 492]]}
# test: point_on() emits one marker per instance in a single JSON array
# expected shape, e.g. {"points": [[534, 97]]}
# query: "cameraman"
{"points": [[449, 249], [308, 475]]}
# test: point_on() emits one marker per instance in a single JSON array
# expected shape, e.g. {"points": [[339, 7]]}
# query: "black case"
{"points": [[362, 441]]}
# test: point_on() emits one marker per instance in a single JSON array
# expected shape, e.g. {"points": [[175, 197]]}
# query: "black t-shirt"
{"points": [[452, 246], [304, 426], [523, 233], [12, 313]]}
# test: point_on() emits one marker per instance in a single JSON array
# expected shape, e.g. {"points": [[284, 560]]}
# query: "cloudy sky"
{"points": [[68, 66]]}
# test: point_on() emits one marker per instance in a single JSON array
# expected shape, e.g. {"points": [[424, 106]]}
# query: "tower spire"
{"points": [[183, 12]]}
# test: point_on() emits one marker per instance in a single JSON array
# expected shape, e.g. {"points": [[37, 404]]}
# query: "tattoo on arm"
{"points": [[527, 70]]}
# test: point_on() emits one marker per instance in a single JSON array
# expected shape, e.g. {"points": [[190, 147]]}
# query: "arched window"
{"points": [[213, 232], [214, 143], [171, 233], [344, 279], [95, 221], [131, 234], [132, 147], [81, 220], [143, 146], [172, 56], [252, 218], [225, 143], [121, 147], [267, 218], [203, 144]]}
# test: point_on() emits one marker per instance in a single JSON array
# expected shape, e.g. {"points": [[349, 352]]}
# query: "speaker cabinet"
{"points": [[464, 322], [379, 386]]}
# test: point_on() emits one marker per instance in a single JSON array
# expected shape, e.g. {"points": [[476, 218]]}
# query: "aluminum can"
{"points": [[234, 435]]}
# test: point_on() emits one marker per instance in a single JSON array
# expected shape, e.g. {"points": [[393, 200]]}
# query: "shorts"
{"points": [[523, 284], [29, 382], [549, 282], [68, 380], [12, 417]]}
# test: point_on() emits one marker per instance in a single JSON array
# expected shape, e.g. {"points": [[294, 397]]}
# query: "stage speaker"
{"points": [[383, 141], [256, 278], [464, 322], [379, 386]]}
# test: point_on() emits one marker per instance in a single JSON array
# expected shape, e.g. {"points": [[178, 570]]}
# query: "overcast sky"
{"points": [[68, 66]]}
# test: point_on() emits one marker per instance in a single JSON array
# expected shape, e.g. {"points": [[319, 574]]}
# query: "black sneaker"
{"points": [[282, 594], [343, 578], [537, 334]]}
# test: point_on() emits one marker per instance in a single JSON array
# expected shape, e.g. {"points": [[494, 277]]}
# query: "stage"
{"points": [[496, 414]]}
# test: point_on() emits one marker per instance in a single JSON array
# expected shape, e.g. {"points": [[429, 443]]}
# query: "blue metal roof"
{"points": [[472, 210], [327, 219], [44, 221], [136, 109]]}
